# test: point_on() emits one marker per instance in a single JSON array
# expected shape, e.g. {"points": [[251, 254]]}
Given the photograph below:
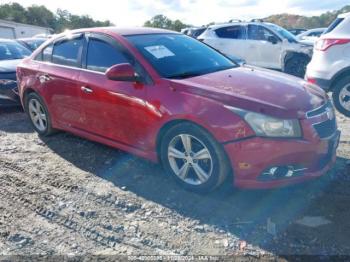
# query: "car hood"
{"points": [[258, 90], [9, 66]]}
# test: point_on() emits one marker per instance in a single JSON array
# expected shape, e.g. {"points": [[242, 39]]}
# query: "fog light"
{"points": [[280, 172]]}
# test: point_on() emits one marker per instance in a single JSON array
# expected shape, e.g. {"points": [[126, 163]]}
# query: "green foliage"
{"points": [[161, 21], [41, 16], [296, 21]]}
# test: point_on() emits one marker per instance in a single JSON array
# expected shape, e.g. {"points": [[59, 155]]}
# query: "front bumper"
{"points": [[9, 95], [251, 158]]}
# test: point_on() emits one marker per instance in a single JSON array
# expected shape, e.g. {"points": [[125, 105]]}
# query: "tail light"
{"points": [[311, 80], [324, 44]]}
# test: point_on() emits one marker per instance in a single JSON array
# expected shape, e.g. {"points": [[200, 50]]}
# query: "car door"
{"points": [[58, 74], [230, 41], [113, 109], [263, 47]]}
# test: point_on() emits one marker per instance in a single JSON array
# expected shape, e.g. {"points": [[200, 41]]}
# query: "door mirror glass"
{"points": [[122, 72]]}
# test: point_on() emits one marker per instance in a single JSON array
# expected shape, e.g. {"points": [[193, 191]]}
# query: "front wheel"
{"points": [[341, 96], [193, 158]]}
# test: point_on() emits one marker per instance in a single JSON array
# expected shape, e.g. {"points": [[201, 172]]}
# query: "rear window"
{"points": [[231, 32], [67, 52], [335, 23]]}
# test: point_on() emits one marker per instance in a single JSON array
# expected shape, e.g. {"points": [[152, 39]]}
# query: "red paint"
{"points": [[129, 115]]}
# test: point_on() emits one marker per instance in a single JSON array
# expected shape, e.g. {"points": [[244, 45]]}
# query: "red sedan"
{"points": [[169, 98]]}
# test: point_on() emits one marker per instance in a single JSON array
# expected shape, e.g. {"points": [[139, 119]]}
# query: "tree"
{"points": [[41, 16], [13, 12], [161, 21]]}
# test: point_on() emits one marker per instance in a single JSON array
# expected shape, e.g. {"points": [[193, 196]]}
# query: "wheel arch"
{"points": [[26, 92], [174, 122], [340, 75], [291, 54], [168, 125]]}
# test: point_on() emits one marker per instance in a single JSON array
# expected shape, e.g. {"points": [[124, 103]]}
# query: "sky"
{"points": [[194, 12]]}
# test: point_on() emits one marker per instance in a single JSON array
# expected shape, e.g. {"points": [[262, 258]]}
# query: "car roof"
{"points": [[7, 40], [345, 15], [316, 30], [32, 39], [217, 26], [125, 31]]}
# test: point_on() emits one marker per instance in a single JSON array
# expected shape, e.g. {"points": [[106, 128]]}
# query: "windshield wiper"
{"points": [[184, 75]]}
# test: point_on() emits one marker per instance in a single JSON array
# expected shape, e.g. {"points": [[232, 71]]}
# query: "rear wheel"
{"points": [[38, 114], [296, 65], [193, 158], [341, 96]]}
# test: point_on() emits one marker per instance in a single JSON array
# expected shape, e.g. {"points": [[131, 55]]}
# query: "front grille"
{"points": [[329, 127]]}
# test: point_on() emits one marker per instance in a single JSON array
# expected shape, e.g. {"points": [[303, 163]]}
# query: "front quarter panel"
{"points": [[173, 102]]}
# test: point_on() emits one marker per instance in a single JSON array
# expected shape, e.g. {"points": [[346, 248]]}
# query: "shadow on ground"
{"points": [[14, 120], [243, 213]]}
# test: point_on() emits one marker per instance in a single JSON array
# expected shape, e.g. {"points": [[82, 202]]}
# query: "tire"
{"points": [[41, 122], [212, 160], [341, 96], [296, 65]]}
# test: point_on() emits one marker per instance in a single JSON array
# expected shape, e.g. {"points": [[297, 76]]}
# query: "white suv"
{"points": [[330, 65], [260, 44]]}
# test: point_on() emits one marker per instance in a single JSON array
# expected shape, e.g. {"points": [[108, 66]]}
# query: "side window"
{"points": [[257, 32], [67, 52], [101, 56], [231, 32], [45, 55], [47, 52]]}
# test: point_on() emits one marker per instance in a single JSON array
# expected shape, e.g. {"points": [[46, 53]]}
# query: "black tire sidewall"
{"points": [[48, 129], [336, 91], [220, 161]]}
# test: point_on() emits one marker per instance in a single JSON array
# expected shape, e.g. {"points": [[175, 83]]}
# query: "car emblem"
{"points": [[330, 113]]}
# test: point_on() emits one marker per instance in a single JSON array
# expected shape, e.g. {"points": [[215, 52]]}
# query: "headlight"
{"points": [[268, 126]]}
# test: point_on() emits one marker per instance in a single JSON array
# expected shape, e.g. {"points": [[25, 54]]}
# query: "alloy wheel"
{"points": [[37, 114], [190, 159], [344, 97]]}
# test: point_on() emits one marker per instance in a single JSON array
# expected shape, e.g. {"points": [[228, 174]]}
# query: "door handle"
{"points": [[86, 90], [44, 78]]}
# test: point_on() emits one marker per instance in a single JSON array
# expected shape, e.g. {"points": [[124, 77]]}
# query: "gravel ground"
{"points": [[63, 195]]}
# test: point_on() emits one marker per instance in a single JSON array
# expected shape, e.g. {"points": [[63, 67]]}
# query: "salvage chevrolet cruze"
{"points": [[169, 98]]}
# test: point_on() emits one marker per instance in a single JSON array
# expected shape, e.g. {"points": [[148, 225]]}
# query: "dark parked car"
{"points": [[297, 31], [31, 43], [167, 97], [195, 32], [11, 54]]}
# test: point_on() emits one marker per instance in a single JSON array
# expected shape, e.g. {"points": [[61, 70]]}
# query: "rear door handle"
{"points": [[86, 90], [44, 78]]}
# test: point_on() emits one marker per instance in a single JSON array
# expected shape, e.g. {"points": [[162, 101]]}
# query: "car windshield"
{"points": [[12, 50], [179, 56], [283, 33]]}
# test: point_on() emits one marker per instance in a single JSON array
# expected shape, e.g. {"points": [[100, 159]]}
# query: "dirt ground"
{"points": [[63, 195]]}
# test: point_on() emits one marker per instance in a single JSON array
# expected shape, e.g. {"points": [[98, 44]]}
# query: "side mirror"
{"points": [[122, 72], [273, 40]]}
